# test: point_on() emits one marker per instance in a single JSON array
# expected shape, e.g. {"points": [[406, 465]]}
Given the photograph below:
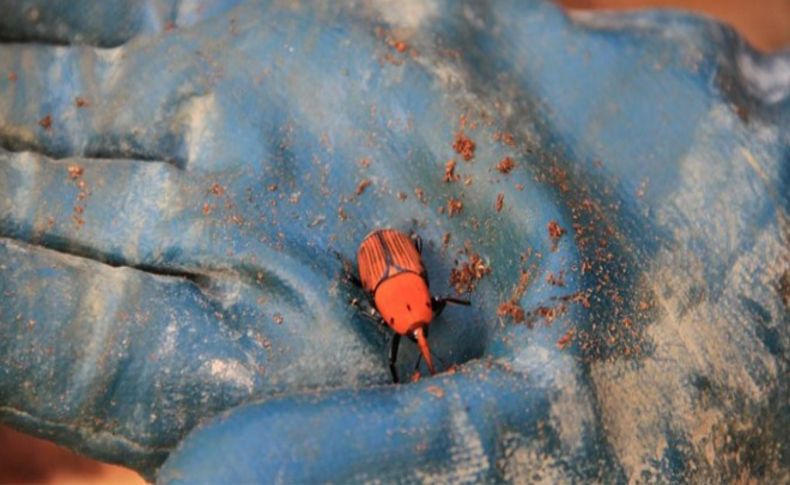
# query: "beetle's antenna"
{"points": [[457, 301]]}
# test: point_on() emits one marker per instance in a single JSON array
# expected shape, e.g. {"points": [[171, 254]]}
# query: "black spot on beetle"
{"points": [[392, 320], [408, 307]]}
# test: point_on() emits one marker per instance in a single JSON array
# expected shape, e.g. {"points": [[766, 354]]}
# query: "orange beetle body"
{"points": [[391, 270]]}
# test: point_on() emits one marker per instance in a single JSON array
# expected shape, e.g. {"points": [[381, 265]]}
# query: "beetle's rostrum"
{"points": [[391, 271]]}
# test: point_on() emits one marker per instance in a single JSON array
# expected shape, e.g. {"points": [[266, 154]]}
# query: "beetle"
{"points": [[392, 273]]}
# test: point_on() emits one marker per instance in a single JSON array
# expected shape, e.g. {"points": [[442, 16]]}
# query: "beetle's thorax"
{"points": [[404, 302]]}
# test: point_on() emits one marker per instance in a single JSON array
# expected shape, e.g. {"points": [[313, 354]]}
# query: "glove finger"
{"points": [[483, 424], [101, 24]]}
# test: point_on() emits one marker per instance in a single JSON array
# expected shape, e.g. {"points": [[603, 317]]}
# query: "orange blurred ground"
{"points": [[24, 459], [765, 24]]}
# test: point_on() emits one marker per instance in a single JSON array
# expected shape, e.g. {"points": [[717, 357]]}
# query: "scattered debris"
{"points": [[420, 193], [505, 165], [512, 309], [449, 172], [505, 137], [75, 171], [454, 207], [436, 391], [555, 233], [400, 46], [549, 314], [465, 278], [566, 339], [555, 279], [81, 102], [464, 146], [500, 202], [364, 184], [46, 122], [217, 189]]}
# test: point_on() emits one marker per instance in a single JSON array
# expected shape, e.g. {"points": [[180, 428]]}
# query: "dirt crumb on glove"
{"points": [[449, 172], [505, 165], [464, 278], [464, 146]]}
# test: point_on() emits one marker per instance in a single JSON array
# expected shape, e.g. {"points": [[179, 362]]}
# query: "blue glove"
{"points": [[175, 181]]}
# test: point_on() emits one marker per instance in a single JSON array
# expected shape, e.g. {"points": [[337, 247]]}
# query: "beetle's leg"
{"points": [[417, 240], [348, 271], [368, 311], [393, 357], [438, 304]]}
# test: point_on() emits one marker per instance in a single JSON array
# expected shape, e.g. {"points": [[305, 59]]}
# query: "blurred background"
{"points": [[24, 459], [765, 24]]}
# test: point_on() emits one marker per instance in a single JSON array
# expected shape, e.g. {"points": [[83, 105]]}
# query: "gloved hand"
{"points": [[175, 179]]}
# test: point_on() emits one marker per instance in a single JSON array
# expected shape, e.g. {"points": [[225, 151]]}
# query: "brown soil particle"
{"points": [[400, 46], [75, 171], [207, 208], [464, 146], [555, 233], [362, 186], [500, 202], [402, 196], [565, 340], [46, 122], [555, 279], [454, 206], [364, 162], [217, 189], [505, 165], [449, 172], [436, 391], [420, 193], [549, 314], [505, 137], [512, 309], [465, 278], [278, 319], [80, 102]]}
